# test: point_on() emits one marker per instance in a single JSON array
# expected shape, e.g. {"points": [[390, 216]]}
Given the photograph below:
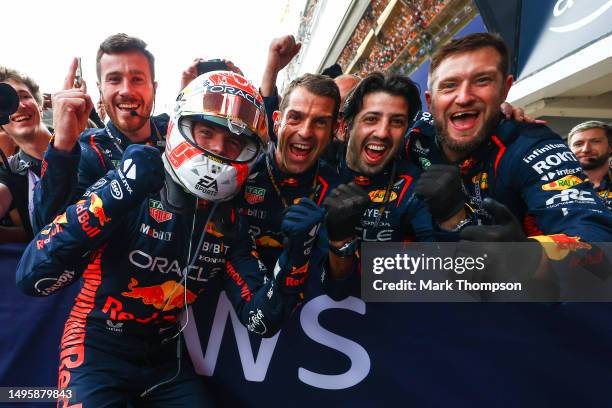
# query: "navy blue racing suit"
{"points": [[22, 172], [121, 337], [605, 189], [66, 176], [529, 169], [394, 213], [262, 205]]}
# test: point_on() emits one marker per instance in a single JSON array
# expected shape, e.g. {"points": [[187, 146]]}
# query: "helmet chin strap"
{"points": [[175, 198]]}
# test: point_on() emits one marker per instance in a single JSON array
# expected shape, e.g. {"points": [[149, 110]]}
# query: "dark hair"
{"points": [[396, 85], [8, 74], [319, 85], [471, 42], [118, 43]]}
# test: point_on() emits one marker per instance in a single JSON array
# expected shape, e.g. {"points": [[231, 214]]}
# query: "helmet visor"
{"points": [[238, 111], [218, 140]]}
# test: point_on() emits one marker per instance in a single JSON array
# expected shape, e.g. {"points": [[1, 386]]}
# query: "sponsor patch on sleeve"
{"points": [[563, 183]]}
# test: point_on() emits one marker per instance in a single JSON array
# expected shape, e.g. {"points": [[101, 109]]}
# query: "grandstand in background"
{"points": [[561, 54], [399, 35]]}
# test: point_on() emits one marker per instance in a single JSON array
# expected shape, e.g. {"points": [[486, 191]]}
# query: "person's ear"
{"points": [[507, 85], [428, 100]]}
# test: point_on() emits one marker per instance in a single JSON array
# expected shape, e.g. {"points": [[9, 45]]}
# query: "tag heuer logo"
{"points": [[156, 210], [254, 195]]}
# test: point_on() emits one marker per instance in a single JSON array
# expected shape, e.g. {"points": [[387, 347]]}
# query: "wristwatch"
{"points": [[345, 251], [460, 225]]}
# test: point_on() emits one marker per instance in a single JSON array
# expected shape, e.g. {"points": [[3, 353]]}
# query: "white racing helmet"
{"points": [[218, 98]]}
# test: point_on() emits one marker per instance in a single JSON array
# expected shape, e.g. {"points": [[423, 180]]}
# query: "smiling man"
{"points": [[26, 129], [471, 153], [76, 158], [591, 142], [292, 170], [377, 202]]}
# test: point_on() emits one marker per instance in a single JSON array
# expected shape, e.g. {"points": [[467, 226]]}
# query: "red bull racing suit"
{"points": [[267, 193], [604, 189], [394, 214], [121, 336], [529, 169]]}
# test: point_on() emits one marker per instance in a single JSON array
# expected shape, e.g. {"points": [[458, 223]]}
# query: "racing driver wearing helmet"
{"points": [[147, 239]]}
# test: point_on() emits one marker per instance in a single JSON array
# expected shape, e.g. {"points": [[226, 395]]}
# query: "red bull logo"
{"points": [[96, 207], [165, 297], [558, 246], [60, 219], [268, 242], [212, 230], [291, 182], [297, 276], [467, 165], [362, 180]]}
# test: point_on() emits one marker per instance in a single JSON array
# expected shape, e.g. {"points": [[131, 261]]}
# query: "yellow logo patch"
{"points": [[563, 183], [378, 196], [483, 178]]}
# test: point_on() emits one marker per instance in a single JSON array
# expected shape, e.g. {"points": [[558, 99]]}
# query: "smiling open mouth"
{"points": [[464, 120], [375, 151], [21, 118], [128, 106], [300, 149]]}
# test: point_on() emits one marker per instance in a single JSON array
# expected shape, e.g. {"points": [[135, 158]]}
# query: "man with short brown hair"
{"points": [[22, 172], [78, 157], [291, 169], [591, 142]]}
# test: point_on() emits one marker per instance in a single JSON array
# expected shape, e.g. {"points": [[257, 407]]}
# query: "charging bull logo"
{"points": [[558, 246], [290, 182], [268, 242], [165, 297], [60, 219], [212, 230], [96, 207], [362, 180], [297, 276]]}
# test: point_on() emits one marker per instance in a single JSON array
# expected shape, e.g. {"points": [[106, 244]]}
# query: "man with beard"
{"points": [[22, 171], [591, 142], [75, 160], [471, 155], [291, 170]]}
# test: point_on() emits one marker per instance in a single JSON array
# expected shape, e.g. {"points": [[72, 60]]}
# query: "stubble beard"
{"points": [[596, 162], [464, 148]]}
